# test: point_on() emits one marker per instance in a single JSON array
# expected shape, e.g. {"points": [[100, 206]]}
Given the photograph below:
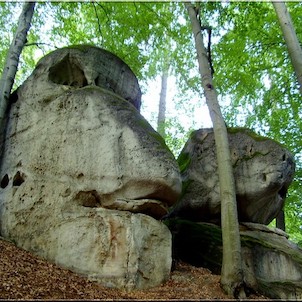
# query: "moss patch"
{"points": [[142, 122], [249, 132], [252, 134], [183, 161], [81, 47]]}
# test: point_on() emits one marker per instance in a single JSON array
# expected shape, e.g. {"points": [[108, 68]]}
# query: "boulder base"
{"points": [[272, 265]]}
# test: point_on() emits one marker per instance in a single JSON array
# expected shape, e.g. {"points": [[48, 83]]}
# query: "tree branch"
{"points": [[104, 10], [97, 16], [209, 30], [11, 64]]}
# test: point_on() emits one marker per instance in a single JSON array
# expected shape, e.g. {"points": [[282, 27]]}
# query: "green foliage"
{"points": [[8, 26], [176, 135], [183, 160], [293, 210], [256, 74]]}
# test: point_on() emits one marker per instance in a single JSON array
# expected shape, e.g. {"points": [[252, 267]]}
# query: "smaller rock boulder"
{"points": [[263, 171]]}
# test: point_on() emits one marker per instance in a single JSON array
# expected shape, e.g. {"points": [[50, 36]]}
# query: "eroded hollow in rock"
{"points": [[89, 199], [18, 179], [68, 72], [4, 181], [150, 207], [282, 192]]}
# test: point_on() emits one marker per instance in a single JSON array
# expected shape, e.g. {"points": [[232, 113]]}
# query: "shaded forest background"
{"points": [[253, 74]]}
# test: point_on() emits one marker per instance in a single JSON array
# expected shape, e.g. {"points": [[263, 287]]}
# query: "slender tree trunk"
{"points": [[165, 65], [232, 273], [280, 221], [11, 64], [161, 119], [291, 39]]}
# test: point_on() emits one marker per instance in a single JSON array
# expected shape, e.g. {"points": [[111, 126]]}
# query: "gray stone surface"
{"points": [[263, 170], [84, 65], [272, 264], [84, 176]]}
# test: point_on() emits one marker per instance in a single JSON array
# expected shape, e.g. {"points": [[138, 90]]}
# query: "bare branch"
{"points": [[104, 10], [97, 16], [38, 44], [209, 30]]}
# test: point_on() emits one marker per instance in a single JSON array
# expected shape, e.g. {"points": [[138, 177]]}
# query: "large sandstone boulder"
{"points": [[263, 170], [84, 176], [272, 264]]}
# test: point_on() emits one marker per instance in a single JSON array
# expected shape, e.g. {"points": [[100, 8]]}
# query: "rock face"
{"points": [[272, 265], [84, 176], [263, 170], [84, 65]]}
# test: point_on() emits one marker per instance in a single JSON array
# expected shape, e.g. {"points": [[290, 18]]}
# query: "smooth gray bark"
{"points": [[11, 63], [291, 39], [161, 119], [232, 273]]}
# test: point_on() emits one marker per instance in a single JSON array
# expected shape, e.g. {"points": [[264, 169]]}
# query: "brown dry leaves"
{"points": [[24, 276]]}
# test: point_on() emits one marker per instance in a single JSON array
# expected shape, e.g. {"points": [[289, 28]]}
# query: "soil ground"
{"points": [[24, 276]]}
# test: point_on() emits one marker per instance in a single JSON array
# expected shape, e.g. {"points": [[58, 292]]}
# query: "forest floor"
{"points": [[24, 276]]}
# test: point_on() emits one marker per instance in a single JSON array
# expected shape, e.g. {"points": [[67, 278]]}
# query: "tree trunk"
{"points": [[232, 273], [290, 37], [161, 119], [165, 66], [280, 221], [11, 64]]}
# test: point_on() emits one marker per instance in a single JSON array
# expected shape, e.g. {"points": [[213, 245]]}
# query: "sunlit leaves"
{"points": [[8, 26], [253, 69]]}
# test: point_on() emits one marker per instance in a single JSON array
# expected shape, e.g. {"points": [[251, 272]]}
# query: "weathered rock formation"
{"points": [[263, 170], [272, 265], [84, 175], [83, 65]]}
